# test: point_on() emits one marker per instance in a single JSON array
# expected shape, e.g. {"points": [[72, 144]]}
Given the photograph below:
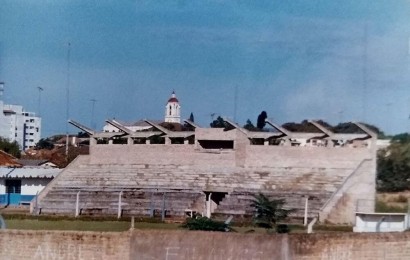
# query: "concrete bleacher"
{"points": [[185, 175]]}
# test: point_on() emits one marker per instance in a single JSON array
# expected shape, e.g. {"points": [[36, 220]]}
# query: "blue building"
{"points": [[20, 185]]}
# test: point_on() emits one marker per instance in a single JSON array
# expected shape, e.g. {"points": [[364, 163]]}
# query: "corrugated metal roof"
{"points": [[29, 172], [31, 162]]}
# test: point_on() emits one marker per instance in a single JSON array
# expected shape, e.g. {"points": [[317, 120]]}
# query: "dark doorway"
{"points": [[13, 192]]}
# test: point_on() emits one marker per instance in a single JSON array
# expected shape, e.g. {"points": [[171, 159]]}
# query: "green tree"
{"points": [[393, 166], [261, 120], [191, 117], [44, 144], [249, 126], [303, 126], [268, 212], [12, 148], [218, 123]]}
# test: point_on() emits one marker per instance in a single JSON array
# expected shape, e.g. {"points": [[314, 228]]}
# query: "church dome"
{"points": [[173, 98]]}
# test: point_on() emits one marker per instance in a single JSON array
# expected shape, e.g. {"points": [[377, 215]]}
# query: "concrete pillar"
{"points": [[167, 140], [305, 219], [111, 141], [36, 205], [147, 141], [130, 141], [208, 206], [93, 141], [77, 205], [163, 207], [186, 141], [132, 223], [266, 142], [119, 205]]}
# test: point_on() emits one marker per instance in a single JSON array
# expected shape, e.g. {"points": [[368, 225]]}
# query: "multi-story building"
{"points": [[18, 125]]}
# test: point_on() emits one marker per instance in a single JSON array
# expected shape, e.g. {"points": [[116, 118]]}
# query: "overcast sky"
{"points": [[332, 60]]}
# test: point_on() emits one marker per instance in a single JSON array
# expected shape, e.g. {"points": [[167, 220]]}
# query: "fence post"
{"points": [[77, 205], [163, 207], [119, 205]]}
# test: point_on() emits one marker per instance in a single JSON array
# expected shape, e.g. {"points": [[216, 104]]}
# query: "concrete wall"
{"points": [[177, 154], [50, 245], [183, 245], [315, 157], [243, 155]]}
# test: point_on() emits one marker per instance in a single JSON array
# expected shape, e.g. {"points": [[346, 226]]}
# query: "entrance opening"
{"points": [[13, 192]]}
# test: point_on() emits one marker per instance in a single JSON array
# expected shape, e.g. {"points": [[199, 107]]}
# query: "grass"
{"points": [[394, 202], [25, 221], [382, 206], [83, 225]]}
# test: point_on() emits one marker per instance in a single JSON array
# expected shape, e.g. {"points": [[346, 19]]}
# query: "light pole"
{"points": [[39, 100], [68, 100], [92, 112], [1, 90]]}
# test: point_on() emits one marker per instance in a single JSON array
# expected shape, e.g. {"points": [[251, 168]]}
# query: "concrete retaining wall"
{"points": [[183, 245]]}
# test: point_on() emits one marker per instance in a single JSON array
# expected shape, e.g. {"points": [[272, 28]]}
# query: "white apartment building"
{"points": [[19, 125]]}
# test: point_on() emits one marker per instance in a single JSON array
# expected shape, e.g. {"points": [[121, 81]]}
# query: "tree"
{"points": [[261, 120], [249, 126], [44, 144], [268, 212], [393, 166], [12, 148], [350, 128], [303, 126], [191, 117], [401, 138], [82, 135], [218, 123]]}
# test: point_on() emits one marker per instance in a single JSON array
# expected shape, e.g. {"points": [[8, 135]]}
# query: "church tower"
{"points": [[173, 110]]}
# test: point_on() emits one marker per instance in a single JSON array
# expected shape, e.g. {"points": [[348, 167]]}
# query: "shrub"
{"points": [[205, 224], [383, 207], [282, 229]]}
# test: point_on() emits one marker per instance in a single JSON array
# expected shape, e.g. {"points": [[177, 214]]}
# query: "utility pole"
{"points": [[235, 103], [364, 75], [92, 113], [1, 90], [68, 100], [39, 100]]}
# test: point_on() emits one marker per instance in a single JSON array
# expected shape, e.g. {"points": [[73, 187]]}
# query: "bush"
{"points": [[384, 207], [282, 229], [205, 224]]}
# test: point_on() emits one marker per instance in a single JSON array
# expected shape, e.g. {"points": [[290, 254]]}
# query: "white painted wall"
{"points": [[2, 186], [390, 222], [32, 186]]}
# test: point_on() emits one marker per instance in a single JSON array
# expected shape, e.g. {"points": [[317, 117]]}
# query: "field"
{"points": [[20, 219]]}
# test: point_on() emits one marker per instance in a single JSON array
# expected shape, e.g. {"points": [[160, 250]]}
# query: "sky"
{"points": [[337, 61]]}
